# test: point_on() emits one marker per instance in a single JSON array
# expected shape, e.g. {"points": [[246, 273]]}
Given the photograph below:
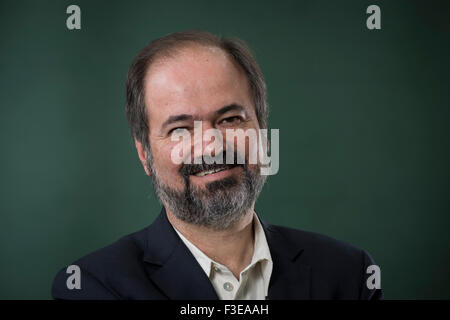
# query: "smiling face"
{"points": [[200, 83]]}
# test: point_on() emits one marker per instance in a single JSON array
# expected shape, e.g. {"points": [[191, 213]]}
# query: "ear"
{"points": [[142, 153]]}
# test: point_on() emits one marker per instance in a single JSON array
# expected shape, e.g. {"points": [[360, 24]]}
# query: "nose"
{"points": [[208, 140]]}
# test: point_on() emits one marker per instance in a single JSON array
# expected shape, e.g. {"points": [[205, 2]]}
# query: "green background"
{"points": [[364, 140]]}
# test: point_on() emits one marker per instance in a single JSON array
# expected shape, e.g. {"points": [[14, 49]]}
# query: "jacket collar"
{"points": [[291, 279], [179, 276]]}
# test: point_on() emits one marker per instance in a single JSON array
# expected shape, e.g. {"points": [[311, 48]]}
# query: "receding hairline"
{"points": [[165, 56], [177, 49]]}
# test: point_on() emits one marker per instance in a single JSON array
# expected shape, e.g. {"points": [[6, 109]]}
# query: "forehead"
{"points": [[196, 80]]}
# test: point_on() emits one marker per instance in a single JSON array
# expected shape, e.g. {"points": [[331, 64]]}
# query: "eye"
{"points": [[177, 128], [231, 120]]}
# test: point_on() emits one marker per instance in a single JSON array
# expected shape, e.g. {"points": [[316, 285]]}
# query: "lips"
{"points": [[204, 169], [206, 172], [210, 169]]}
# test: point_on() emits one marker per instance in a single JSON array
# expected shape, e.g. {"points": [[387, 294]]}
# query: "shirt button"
{"points": [[216, 269], [228, 286]]}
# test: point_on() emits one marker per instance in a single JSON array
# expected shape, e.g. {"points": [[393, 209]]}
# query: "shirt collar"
{"points": [[261, 254]]}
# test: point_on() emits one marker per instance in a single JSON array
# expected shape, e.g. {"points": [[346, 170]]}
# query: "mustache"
{"points": [[189, 169]]}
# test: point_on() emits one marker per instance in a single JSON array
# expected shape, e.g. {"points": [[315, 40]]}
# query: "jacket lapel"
{"points": [[290, 279], [172, 267]]}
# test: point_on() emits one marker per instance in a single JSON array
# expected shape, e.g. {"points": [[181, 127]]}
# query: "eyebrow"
{"points": [[231, 107], [177, 118], [186, 117]]}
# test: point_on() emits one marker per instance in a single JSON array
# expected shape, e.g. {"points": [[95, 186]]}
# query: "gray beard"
{"points": [[218, 206]]}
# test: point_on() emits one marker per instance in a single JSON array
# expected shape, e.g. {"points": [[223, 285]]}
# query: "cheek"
{"points": [[165, 167]]}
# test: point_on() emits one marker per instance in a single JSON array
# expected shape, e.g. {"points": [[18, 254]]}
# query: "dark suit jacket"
{"points": [[154, 263]]}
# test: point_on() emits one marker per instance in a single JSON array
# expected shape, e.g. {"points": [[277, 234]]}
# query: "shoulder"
{"points": [[337, 267], [315, 245], [320, 250], [115, 261]]}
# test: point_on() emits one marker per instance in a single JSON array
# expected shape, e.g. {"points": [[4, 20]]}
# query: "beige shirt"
{"points": [[253, 283]]}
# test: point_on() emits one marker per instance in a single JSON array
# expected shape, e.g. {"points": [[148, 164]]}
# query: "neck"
{"points": [[232, 247]]}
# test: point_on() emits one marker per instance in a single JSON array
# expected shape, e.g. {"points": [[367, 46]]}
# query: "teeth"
{"points": [[204, 173]]}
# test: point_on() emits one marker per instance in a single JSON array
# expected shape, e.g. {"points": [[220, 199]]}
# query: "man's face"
{"points": [[200, 84]]}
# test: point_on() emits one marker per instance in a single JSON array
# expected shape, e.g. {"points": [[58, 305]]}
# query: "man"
{"points": [[208, 242]]}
